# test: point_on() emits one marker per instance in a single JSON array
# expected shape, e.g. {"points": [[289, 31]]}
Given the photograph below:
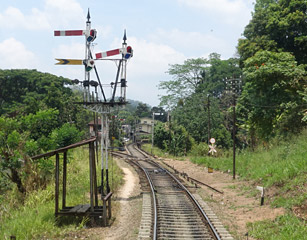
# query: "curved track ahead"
{"points": [[177, 214]]}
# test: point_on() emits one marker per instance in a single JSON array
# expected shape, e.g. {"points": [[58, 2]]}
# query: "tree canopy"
{"points": [[276, 26], [37, 114], [273, 55]]}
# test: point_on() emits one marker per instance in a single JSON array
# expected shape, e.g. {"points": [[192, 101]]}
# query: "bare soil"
{"points": [[126, 211], [238, 205]]}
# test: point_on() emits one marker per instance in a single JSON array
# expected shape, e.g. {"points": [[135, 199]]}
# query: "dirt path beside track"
{"points": [[237, 206]]}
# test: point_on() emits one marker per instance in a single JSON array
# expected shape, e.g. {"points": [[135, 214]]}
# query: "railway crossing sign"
{"points": [[212, 149]]}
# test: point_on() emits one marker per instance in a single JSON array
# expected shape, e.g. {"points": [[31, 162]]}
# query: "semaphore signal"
{"points": [[92, 101]]}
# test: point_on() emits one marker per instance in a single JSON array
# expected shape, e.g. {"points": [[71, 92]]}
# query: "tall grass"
{"points": [[34, 219], [283, 164], [286, 227]]}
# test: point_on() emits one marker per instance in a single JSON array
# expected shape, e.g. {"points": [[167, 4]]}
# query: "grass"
{"points": [[286, 227], [159, 152], [35, 218], [282, 167]]}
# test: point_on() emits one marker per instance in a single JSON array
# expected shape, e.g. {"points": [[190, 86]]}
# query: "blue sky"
{"points": [[161, 32]]}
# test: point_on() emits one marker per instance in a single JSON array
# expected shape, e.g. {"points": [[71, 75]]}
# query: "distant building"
{"points": [[145, 126]]}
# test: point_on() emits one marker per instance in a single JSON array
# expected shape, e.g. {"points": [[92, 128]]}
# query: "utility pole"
{"points": [[208, 119], [233, 87], [234, 137], [152, 131]]}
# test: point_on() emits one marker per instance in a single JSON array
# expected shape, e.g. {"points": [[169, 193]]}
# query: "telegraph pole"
{"points": [[209, 119], [233, 88], [234, 137]]}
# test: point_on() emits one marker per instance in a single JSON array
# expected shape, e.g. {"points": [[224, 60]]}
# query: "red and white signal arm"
{"points": [[212, 140]]}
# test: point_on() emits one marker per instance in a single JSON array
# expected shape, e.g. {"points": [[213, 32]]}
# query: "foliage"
{"points": [[25, 92], [186, 79], [41, 123], [180, 141], [280, 164], [33, 106], [142, 110], [283, 227], [276, 26], [12, 148], [66, 135], [161, 135], [270, 101], [204, 90], [34, 219]]}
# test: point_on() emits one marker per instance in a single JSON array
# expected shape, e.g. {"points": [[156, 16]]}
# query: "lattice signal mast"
{"points": [[99, 103]]}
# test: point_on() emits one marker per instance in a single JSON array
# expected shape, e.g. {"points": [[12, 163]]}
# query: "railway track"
{"points": [[174, 213]]}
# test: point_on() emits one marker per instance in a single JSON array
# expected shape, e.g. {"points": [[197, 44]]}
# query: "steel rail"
{"points": [[192, 198], [153, 191], [195, 180], [197, 204], [187, 192]]}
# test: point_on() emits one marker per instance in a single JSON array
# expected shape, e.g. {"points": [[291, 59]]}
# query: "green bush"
{"points": [[65, 135]]}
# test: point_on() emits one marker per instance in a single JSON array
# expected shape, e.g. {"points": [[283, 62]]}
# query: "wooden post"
{"points": [[91, 146], [109, 207], [95, 180], [104, 213], [57, 178], [64, 179]]}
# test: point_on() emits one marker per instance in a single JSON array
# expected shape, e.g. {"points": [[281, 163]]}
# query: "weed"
{"points": [[33, 217], [285, 227]]}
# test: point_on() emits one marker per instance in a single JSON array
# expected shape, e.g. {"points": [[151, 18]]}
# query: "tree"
{"points": [[15, 149], [66, 135], [161, 135], [142, 110], [186, 79], [270, 101], [276, 26], [191, 84], [181, 142]]}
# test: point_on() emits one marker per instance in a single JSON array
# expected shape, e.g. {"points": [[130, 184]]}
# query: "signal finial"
{"points": [[88, 15], [125, 37]]}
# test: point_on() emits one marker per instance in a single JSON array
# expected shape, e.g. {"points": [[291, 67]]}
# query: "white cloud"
{"points": [[63, 13], [148, 67], [152, 58], [71, 50], [55, 13], [14, 18], [229, 11], [13, 54], [195, 44]]}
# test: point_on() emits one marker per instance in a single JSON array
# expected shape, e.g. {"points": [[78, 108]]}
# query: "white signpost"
{"points": [[212, 149]]}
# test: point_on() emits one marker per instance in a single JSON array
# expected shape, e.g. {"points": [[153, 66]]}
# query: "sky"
{"points": [[161, 32]]}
